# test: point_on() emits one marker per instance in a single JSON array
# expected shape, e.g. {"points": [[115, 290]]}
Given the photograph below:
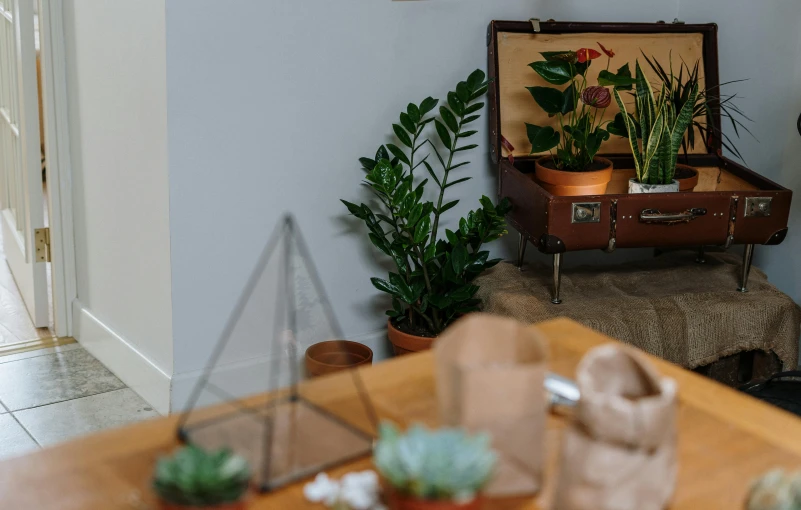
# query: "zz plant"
{"points": [[660, 125], [432, 283]]}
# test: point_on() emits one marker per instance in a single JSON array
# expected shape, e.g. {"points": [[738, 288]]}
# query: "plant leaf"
{"points": [[407, 122], [447, 206], [542, 138], [431, 173], [442, 131], [549, 99], [557, 72], [449, 119], [427, 105], [398, 153], [457, 181], [402, 135], [459, 258]]}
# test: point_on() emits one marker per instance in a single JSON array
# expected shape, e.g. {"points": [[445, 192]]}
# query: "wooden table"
{"points": [[726, 439]]}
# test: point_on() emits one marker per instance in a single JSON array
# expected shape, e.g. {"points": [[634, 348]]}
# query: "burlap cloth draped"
{"points": [[687, 313]]}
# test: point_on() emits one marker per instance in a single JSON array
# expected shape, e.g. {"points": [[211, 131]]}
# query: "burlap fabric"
{"points": [[687, 313]]}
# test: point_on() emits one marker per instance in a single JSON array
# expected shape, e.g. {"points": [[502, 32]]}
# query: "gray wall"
{"points": [[271, 103]]}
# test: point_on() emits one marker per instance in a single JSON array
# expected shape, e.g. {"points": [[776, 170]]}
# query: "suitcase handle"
{"points": [[656, 216]]}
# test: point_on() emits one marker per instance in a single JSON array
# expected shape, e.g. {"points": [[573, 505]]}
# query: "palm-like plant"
{"points": [[662, 126], [708, 103]]}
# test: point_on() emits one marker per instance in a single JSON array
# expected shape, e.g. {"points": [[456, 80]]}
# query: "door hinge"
{"points": [[42, 243]]}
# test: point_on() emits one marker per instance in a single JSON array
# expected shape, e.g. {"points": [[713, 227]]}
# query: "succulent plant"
{"points": [[195, 477], [776, 490], [445, 464]]}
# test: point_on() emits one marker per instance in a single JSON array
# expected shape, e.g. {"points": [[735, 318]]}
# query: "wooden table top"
{"points": [[726, 439]]}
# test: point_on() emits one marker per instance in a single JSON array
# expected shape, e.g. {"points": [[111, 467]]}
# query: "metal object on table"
{"points": [[557, 278], [758, 207], [586, 212], [748, 257], [521, 250], [561, 390]]}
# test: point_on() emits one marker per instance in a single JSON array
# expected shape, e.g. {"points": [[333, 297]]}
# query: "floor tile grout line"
{"points": [[125, 387], [37, 356], [28, 432]]}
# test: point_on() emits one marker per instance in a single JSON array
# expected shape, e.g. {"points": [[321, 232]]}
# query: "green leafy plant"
{"points": [[660, 126], [445, 464], [708, 103], [579, 108], [195, 477], [433, 283], [776, 490]]}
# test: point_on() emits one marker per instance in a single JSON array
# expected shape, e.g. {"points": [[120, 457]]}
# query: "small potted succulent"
{"points": [[432, 284], [197, 479], [433, 469], [575, 168], [655, 134], [708, 103]]}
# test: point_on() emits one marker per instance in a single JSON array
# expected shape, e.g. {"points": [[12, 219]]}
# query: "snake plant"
{"points": [[196, 478], [445, 464], [662, 129]]}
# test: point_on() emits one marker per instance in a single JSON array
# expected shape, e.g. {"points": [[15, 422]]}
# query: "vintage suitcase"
{"points": [[730, 205]]}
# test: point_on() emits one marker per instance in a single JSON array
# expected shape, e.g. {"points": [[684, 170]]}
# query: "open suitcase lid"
{"points": [[513, 45]]}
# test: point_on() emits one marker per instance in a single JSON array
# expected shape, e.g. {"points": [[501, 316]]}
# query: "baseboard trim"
{"points": [[125, 361]]}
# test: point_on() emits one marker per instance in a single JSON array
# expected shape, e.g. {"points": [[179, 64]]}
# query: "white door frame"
{"points": [[59, 165]]}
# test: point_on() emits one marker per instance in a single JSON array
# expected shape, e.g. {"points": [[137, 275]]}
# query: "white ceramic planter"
{"points": [[639, 187]]}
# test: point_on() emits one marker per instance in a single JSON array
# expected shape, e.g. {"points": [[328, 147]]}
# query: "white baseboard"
{"points": [[131, 366]]}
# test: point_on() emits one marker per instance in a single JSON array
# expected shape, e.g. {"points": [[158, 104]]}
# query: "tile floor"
{"points": [[52, 395]]}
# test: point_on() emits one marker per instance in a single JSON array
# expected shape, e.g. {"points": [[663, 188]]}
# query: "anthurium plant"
{"points": [[660, 125], [432, 283], [579, 107]]}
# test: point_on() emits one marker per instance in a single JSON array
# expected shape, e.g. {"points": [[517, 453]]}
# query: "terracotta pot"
{"points": [[564, 183], [404, 343], [335, 355], [404, 503], [687, 183], [238, 505]]}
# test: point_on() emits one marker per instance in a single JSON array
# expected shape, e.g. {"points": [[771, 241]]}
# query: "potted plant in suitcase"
{"points": [[708, 103], [575, 168], [196, 479], [432, 284], [433, 470], [655, 134]]}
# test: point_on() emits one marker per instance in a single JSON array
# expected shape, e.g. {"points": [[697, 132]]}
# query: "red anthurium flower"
{"points": [[609, 53], [585, 54], [597, 97]]}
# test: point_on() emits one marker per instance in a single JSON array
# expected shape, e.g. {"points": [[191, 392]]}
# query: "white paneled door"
{"points": [[21, 207]]}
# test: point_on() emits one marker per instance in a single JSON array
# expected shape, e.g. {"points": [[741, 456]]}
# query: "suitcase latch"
{"points": [[535, 25], [586, 212], [757, 207]]}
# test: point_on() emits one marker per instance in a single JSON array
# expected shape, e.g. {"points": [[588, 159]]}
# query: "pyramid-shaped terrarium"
{"points": [[255, 397]]}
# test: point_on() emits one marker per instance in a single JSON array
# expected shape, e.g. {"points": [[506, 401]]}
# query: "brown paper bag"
{"points": [[619, 452], [490, 374]]}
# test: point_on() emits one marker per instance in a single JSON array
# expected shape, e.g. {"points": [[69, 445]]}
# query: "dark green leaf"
{"points": [[473, 108], [542, 139], [385, 286], [463, 163], [398, 153], [475, 79], [463, 91], [478, 93], [468, 120], [557, 72], [427, 105], [430, 252], [463, 293], [407, 123], [465, 148], [449, 119], [422, 230], [457, 181], [354, 209], [447, 206], [367, 163], [413, 112], [463, 227], [620, 82], [452, 238], [381, 153], [431, 173], [459, 258], [438, 301], [456, 104], [565, 56], [466, 134], [442, 131], [568, 100], [402, 135], [549, 99]]}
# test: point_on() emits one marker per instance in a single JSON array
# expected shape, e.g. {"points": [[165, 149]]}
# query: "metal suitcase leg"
{"points": [[748, 257], [557, 278], [521, 251]]}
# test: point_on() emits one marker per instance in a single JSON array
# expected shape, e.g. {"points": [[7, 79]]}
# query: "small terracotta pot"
{"points": [[405, 503], [687, 183], [335, 355], [564, 183], [238, 505], [404, 343]]}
